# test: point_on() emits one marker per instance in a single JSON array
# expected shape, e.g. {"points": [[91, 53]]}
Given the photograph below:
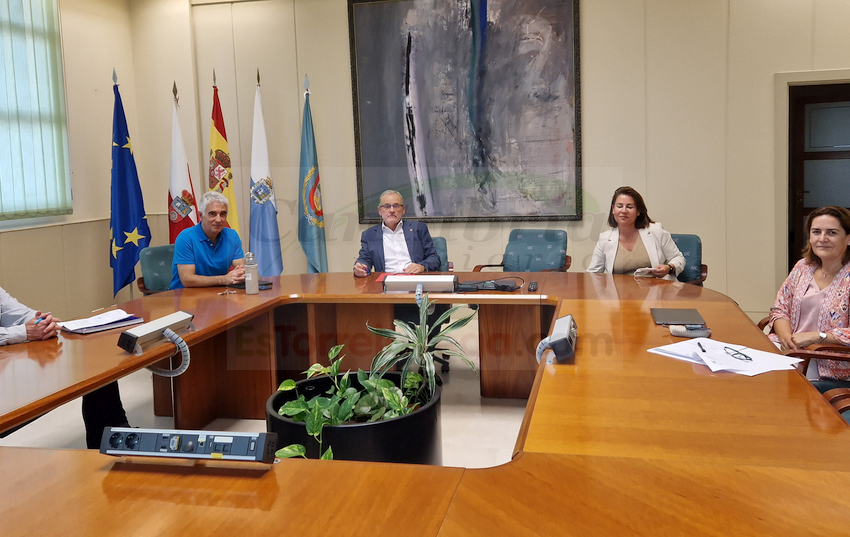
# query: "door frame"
{"points": [[782, 81]]}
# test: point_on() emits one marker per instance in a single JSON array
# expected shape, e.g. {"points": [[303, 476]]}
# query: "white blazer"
{"points": [[659, 245]]}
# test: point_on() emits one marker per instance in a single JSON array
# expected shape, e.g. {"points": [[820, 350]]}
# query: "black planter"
{"points": [[413, 438]]}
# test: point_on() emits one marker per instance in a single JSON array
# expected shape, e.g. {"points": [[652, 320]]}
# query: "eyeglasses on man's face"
{"points": [[388, 206]]}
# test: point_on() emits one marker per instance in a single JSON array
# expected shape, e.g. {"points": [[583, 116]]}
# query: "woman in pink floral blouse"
{"points": [[812, 305]]}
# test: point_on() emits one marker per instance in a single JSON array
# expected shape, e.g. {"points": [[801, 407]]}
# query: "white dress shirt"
{"points": [[13, 317], [396, 255]]}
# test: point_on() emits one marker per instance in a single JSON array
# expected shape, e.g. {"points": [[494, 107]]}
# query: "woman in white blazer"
{"points": [[618, 250]]}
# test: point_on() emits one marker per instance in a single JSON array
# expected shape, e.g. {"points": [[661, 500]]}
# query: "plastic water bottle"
{"points": [[252, 279]]}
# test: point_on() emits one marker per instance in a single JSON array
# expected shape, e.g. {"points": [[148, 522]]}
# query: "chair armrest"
{"points": [[703, 274], [837, 394], [841, 405], [763, 323], [479, 267], [140, 282], [828, 347], [818, 354]]}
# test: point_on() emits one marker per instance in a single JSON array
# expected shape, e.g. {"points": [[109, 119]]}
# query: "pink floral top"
{"points": [[833, 315]]}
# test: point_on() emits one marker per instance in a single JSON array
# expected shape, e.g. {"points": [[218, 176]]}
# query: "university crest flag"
{"points": [[129, 231], [311, 222], [221, 178], [182, 207], [264, 240]]}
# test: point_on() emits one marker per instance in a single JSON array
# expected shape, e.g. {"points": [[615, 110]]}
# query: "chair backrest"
{"points": [[442, 252], [691, 248], [156, 266], [533, 250]]}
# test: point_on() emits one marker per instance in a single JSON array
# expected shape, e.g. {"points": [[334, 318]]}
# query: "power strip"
{"points": [[489, 285], [229, 446]]}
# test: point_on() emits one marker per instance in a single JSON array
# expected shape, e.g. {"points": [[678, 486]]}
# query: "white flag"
{"points": [[265, 236], [182, 208]]}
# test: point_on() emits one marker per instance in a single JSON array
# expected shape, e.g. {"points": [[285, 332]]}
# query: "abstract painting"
{"points": [[469, 108]]}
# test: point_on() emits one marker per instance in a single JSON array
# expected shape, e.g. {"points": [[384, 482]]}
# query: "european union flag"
{"points": [[128, 226], [311, 221]]}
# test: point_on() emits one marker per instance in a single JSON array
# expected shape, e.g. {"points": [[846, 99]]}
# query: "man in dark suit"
{"points": [[394, 245], [397, 246]]}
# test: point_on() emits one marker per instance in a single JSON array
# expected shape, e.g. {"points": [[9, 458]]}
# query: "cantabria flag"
{"points": [[182, 208]]}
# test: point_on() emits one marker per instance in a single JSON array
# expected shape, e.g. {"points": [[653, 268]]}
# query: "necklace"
{"points": [[630, 238]]}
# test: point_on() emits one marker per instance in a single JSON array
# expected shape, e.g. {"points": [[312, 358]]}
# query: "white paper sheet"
{"points": [[713, 354], [96, 320]]}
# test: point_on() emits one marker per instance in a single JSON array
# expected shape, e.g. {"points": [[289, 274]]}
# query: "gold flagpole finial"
{"points": [[114, 76], [174, 90], [213, 77], [258, 76]]}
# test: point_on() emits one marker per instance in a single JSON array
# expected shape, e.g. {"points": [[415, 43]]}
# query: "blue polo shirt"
{"points": [[192, 247]]}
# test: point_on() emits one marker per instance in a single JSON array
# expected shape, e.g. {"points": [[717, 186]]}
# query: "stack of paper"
{"points": [[98, 323], [719, 356]]}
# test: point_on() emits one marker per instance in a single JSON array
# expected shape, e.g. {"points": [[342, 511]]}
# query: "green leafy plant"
{"points": [[413, 347], [380, 399]]}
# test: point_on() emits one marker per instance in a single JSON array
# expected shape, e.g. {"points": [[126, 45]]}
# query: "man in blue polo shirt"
{"points": [[204, 253]]}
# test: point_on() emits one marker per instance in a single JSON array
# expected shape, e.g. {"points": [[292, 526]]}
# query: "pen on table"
{"points": [[700, 346], [42, 318]]}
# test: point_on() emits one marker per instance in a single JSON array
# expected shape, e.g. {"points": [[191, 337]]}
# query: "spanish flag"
{"points": [[221, 179]]}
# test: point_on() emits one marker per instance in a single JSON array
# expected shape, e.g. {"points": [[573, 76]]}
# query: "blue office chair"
{"points": [[155, 262], [534, 250], [695, 271], [443, 253]]}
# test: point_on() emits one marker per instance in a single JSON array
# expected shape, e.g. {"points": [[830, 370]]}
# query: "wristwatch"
{"points": [[822, 336], [672, 269]]}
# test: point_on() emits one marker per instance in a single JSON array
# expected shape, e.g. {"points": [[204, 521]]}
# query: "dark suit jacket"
{"points": [[419, 245]]}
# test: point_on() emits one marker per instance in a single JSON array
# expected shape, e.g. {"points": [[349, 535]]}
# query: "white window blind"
{"points": [[35, 178]]}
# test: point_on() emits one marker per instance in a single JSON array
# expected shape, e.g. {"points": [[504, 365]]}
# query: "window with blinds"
{"points": [[35, 177]]}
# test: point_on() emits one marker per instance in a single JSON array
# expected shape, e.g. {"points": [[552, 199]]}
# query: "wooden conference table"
{"points": [[623, 442], [245, 345]]}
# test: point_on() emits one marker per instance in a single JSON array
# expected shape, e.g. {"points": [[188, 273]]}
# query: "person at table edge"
{"points": [[395, 245], [209, 253], [618, 250], [813, 304], [20, 324]]}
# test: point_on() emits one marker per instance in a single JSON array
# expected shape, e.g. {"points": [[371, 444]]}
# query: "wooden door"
{"points": [[818, 156]]}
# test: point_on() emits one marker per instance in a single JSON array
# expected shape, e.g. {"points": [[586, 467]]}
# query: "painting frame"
{"points": [[372, 180]]}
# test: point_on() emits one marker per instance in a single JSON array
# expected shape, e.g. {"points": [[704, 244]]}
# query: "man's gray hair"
{"points": [[385, 192], [211, 197]]}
